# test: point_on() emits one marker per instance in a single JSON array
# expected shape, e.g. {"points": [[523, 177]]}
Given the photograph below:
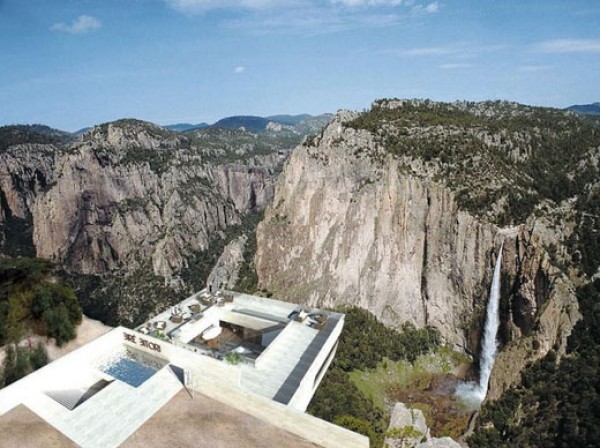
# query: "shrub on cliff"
{"points": [[365, 342], [30, 299], [21, 361]]}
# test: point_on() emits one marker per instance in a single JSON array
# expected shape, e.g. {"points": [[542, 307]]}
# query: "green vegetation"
{"points": [[200, 264], [588, 236], [21, 361], [507, 163], [247, 277], [404, 434], [423, 384], [30, 299], [363, 344], [556, 405], [233, 358], [159, 161], [37, 133], [124, 298], [225, 145], [375, 383], [502, 159]]}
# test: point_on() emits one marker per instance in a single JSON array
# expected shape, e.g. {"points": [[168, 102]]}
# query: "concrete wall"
{"points": [[310, 382]]}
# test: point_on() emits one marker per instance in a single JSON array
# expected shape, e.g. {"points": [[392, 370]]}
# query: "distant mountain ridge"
{"points": [[295, 123], [290, 120], [586, 109], [248, 122], [34, 133], [184, 127]]}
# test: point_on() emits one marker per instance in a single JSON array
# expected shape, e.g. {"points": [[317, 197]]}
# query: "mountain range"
{"points": [[399, 210], [301, 123], [259, 124], [586, 109]]}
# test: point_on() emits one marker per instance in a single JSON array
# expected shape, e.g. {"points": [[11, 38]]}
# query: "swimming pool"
{"points": [[125, 367]]}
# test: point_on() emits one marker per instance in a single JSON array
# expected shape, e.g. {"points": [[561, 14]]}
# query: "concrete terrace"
{"points": [[95, 396], [273, 368]]}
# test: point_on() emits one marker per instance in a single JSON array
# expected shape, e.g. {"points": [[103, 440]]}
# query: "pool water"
{"points": [[127, 369]]}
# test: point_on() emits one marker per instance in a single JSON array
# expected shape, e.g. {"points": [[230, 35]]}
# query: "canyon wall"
{"points": [[127, 199], [353, 225]]}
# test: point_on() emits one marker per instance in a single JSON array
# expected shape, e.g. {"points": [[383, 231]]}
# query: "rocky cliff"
{"points": [[400, 210], [131, 208]]}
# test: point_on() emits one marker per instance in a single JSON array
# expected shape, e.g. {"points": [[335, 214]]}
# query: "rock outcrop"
{"points": [[225, 274], [131, 198], [352, 224], [413, 431], [439, 442]]}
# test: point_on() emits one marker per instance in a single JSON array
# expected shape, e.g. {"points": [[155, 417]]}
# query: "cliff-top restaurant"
{"points": [[218, 369]]}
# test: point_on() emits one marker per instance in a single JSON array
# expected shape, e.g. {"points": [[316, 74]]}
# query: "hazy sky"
{"points": [[75, 63]]}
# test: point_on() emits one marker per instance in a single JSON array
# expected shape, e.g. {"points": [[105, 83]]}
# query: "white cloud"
{"points": [[569, 46], [312, 22], [309, 16], [428, 51], [354, 3], [239, 69], [83, 24], [534, 68], [464, 50], [190, 6], [455, 65], [430, 8]]}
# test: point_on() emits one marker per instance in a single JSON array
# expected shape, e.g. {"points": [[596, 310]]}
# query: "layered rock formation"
{"points": [[346, 231], [352, 223], [131, 198], [225, 274]]}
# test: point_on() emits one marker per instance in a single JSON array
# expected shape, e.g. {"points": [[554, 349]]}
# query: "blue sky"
{"points": [[75, 63]]}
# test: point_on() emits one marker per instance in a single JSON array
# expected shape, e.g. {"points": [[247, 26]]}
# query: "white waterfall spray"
{"points": [[492, 322], [474, 393]]}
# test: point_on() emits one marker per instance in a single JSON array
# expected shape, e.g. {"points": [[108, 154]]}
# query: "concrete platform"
{"points": [[206, 422]]}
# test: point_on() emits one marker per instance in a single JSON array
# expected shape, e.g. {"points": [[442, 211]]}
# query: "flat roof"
{"points": [[276, 371], [203, 421], [21, 427]]}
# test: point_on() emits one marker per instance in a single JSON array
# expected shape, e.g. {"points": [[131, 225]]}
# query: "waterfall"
{"points": [[492, 322], [474, 393]]}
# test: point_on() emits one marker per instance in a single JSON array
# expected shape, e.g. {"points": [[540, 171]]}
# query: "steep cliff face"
{"points": [[25, 171], [354, 224], [226, 272], [539, 304], [343, 230], [96, 217], [132, 198]]}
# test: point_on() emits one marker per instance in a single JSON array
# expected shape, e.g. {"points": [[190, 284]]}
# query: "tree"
{"points": [[39, 356], [58, 324], [22, 363], [8, 366], [407, 435]]}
